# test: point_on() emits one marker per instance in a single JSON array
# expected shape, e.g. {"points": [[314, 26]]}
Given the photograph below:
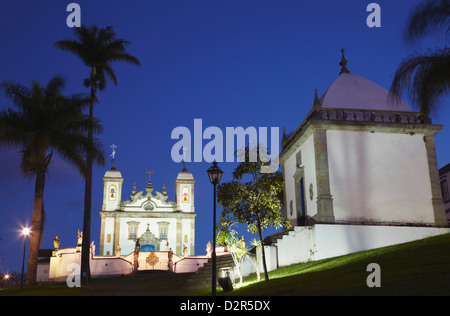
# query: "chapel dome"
{"points": [[185, 175], [350, 91]]}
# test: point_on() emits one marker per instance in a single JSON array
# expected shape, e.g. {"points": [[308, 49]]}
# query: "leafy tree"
{"points": [[425, 76], [97, 48], [255, 202], [46, 121]]}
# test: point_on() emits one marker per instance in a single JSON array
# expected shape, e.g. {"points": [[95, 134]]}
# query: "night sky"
{"points": [[230, 63]]}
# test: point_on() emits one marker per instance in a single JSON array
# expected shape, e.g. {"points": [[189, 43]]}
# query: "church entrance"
{"points": [[301, 205]]}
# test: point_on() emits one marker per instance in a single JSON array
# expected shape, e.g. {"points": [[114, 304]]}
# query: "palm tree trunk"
{"points": [[85, 247], [36, 228], [258, 223]]}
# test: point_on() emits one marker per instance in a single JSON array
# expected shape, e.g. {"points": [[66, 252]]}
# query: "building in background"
{"points": [[147, 218]]}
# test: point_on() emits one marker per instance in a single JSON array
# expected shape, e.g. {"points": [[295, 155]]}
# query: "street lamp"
{"points": [[6, 278], [215, 174], [25, 233]]}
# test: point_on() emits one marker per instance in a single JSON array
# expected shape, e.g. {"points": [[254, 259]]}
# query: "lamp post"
{"points": [[6, 279], [25, 233], [215, 174]]}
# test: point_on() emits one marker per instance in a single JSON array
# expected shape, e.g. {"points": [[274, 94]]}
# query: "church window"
{"points": [[185, 194], [163, 228], [132, 230], [108, 238], [185, 238], [112, 192]]}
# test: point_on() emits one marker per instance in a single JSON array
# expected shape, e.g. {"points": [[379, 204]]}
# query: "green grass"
{"points": [[417, 268]]}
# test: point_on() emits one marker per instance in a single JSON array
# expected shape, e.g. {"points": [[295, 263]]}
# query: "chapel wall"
{"points": [[379, 177], [306, 152]]}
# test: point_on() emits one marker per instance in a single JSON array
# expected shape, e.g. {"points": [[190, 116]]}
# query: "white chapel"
{"points": [[360, 173], [147, 219]]}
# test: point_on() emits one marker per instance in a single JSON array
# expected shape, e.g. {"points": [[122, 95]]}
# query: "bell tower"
{"points": [[112, 190], [184, 188], [112, 186]]}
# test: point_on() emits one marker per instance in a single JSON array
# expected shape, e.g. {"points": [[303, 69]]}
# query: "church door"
{"points": [[301, 207]]}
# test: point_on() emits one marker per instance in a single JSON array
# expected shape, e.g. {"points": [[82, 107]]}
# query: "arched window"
{"points": [[185, 194], [112, 192]]}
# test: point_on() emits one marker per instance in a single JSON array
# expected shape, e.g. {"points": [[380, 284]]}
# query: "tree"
{"points": [[97, 48], [425, 76], [256, 202], [46, 121]]}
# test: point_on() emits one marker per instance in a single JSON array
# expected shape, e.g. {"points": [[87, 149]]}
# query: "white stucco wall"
{"points": [[326, 241], [381, 177], [60, 265], [337, 240], [308, 162]]}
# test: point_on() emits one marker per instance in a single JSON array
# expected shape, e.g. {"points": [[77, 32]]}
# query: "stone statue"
{"points": [[80, 238], [118, 251], [92, 248], [170, 263], [137, 248], [208, 249], [185, 251], [242, 242], [56, 242], [166, 247]]}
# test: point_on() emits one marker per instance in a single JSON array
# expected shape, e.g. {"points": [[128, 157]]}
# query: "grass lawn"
{"points": [[416, 268]]}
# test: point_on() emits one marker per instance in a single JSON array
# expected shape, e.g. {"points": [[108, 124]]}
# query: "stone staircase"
{"points": [[272, 239], [203, 277]]}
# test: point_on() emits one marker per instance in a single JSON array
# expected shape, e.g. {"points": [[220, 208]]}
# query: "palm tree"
{"points": [[98, 49], [425, 76], [46, 121]]}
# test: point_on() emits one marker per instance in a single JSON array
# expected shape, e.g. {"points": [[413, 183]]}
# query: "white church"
{"points": [[145, 232], [149, 219]]}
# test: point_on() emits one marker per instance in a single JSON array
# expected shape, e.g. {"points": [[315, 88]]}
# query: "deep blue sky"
{"points": [[230, 63]]}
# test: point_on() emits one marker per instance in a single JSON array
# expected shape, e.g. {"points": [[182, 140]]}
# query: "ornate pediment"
{"points": [[149, 207], [149, 239]]}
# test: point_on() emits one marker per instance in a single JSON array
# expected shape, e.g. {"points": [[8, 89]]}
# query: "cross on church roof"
{"points": [[149, 175], [113, 155]]}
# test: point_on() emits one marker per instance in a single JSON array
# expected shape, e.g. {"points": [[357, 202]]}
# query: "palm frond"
{"points": [[424, 77], [426, 17]]}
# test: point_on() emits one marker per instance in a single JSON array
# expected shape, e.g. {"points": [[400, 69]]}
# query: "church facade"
{"points": [[147, 219]]}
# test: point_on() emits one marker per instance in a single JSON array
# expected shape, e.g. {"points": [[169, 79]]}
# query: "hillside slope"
{"points": [[416, 268]]}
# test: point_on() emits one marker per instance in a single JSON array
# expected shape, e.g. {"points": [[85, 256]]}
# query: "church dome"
{"points": [[185, 175], [350, 91], [113, 173], [353, 92]]}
